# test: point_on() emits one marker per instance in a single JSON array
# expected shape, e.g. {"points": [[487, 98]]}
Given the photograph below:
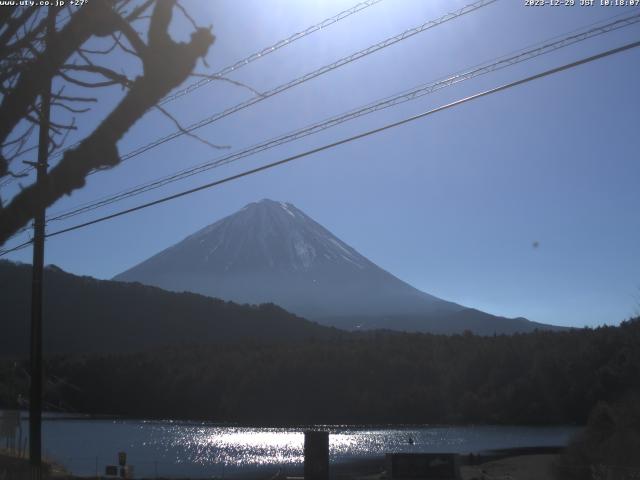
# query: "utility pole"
{"points": [[35, 389]]}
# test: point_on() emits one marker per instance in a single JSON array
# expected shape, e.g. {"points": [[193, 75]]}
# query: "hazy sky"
{"points": [[452, 204]]}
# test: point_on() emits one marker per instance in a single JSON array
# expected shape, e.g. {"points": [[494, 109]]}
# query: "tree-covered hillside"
{"points": [[84, 315], [377, 377]]}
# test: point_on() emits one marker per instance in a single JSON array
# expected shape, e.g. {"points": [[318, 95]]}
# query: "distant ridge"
{"points": [[85, 315], [273, 252]]}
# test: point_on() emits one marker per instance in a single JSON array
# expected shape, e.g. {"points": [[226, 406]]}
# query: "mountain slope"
{"points": [[272, 252], [82, 314]]}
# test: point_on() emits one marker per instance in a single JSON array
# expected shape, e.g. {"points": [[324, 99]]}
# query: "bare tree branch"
{"points": [[187, 16], [89, 20], [134, 39], [87, 51], [17, 175], [68, 108], [74, 99], [12, 27], [137, 12], [81, 83], [166, 64], [123, 47], [228, 80], [190, 134], [114, 77], [55, 145]]}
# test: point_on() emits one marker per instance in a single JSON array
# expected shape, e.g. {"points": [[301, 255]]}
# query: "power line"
{"points": [[368, 133], [234, 66], [309, 76], [327, 68], [270, 49], [304, 78], [16, 248], [417, 92]]}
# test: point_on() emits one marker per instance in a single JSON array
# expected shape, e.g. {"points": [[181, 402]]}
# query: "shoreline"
{"points": [[56, 416], [530, 463]]}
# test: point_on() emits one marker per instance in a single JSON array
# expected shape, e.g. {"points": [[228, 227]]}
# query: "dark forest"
{"points": [[374, 377]]}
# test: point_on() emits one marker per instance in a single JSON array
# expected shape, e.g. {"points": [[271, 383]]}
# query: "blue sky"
{"points": [[452, 203]]}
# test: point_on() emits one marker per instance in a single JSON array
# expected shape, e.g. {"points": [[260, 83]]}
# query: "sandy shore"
{"points": [[523, 467]]}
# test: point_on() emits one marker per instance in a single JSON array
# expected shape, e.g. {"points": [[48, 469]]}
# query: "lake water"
{"points": [[187, 449]]}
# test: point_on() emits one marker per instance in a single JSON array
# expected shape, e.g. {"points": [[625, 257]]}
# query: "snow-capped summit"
{"points": [[271, 235], [273, 252]]}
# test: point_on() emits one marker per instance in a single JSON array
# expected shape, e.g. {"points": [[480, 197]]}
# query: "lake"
{"points": [[191, 449]]}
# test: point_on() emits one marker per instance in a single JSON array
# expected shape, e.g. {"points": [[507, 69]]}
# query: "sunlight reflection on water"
{"points": [[238, 446], [196, 450]]}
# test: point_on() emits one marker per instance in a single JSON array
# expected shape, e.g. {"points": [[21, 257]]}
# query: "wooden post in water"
{"points": [[316, 455]]}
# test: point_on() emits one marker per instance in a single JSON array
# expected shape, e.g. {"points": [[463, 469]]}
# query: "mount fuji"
{"points": [[272, 252]]}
